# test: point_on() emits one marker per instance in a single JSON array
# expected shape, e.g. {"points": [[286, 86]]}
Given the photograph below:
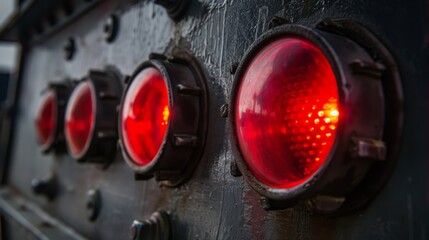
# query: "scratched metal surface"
{"points": [[213, 204]]}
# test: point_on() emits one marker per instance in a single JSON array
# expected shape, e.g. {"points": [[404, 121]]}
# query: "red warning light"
{"points": [[162, 118], [145, 116], [80, 118], [46, 119], [308, 116], [287, 112], [90, 123]]}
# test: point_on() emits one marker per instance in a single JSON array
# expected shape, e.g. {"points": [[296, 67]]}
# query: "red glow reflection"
{"points": [[79, 120], [287, 112], [145, 116], [46, 119]]}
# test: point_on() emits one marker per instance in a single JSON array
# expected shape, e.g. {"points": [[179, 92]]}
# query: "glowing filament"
{"points": [[165, 115]]}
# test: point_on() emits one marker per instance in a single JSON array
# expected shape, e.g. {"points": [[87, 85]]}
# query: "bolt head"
{"points": [[93, 204], [110, 28], [69, 49]]}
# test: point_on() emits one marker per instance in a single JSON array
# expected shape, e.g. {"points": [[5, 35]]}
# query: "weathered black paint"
{"points": [[213, 204]]}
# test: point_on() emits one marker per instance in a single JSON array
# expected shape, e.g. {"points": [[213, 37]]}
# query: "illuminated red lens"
{"points": [[46, 119], [79, 121], [286, 113], [145, 115]]}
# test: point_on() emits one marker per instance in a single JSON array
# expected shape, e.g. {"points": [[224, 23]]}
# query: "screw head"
{"points": [[110, 28], [69, 49], [47, 187], [156, 227], [93, 204]]}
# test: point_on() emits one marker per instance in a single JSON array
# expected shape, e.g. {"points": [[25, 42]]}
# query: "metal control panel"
{"points": [[110, 201]]}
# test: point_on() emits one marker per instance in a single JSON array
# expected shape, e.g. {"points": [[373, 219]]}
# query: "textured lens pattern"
{"points": [[287, 112]]}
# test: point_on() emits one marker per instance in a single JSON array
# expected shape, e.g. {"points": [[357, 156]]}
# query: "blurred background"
{"points": [[8, 65], [8, 51]]}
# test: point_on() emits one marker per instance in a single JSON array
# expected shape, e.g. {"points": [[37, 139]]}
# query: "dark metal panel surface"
{"points": [[213, 204], [32, 220]]}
